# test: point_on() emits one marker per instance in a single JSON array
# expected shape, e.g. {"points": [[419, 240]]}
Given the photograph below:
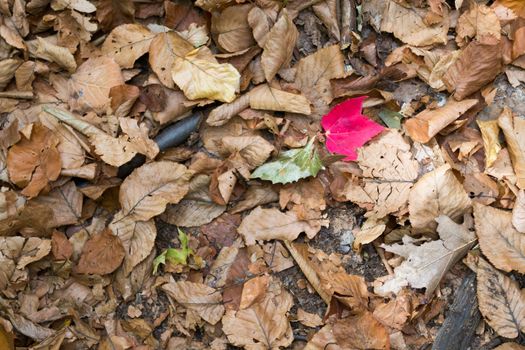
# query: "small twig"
{"points": [[22, 95], [381, 252]]}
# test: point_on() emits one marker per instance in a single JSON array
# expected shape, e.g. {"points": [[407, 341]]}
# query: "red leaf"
{"points": [[347, 129]]}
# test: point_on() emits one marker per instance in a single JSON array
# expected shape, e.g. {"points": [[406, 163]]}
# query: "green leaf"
{"points": [[174, 255], [391, 119], [291, 165]]}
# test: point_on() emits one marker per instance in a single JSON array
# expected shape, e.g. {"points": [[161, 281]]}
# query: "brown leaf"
{"points": [[146, 192], [102, 254], [111, 13], [126, 43], [308, 319], [498, 239], [223, 113], [478, 21], [436, 193], [427, 124], [256, 195], [32, 163], [513, 127], [327, 13], [64, 203], [206, 301], [350, 290], [269, 98], [260, 25], [231, 29], [261, 326], [8, 68], [138, 137], [61, 248], [501, 301], [213, 5], [396, 313], [222, 231], [279, 46], [154, 96], [510, 346], [361, 332], [123, 98], [518, 212], [464, 78], [490, 133], [48, 51], [90, 85], [323, 339], [253, 291]]}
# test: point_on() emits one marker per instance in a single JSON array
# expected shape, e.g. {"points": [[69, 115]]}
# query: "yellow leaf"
{"points": [[490, 133]]}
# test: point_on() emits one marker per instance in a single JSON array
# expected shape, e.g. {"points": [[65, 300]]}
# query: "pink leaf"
{"points": [[347, 129]]}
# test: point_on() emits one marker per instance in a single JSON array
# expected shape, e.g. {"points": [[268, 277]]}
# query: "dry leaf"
{"points": [[8, 68], [54, 53], [231, 28], [425, 125], [253, 291], [436, 193], [323, 339], [308, 319], [510, 346], [396, 313], [263, 325], [490, 133], [501, 301], [223, 113], [63, 203], [32, 163], [279, 45], [255, 195], [512, 127], [369, 232], [285, 226], [199, 75], [478, 21], [498, 239], [111, 13], [102, 254], [327, 13], [126, 43], [61, 248], [90, 85], [146, 192], [361, 332], [206, 301], [260, 25], [518, 212], [268, 98], [138, 137]]}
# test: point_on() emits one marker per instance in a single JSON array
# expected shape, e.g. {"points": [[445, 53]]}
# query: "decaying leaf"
{"points": [[501, 301], [102, 254]]}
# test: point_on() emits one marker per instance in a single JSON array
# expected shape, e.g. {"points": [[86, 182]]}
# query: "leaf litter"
{"points": [[341, 176]]}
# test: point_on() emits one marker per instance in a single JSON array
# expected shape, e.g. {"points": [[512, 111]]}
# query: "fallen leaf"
{"points": [[90, 85], [518, 212], [54, 53], [427, 124], [138, 137], [436, 193], [323, 339], [196, 35], [279, 45], [123, 97], [361, 332], [231, 28], [253, 291], [255, 195], [102, 254], [500, 242], [146, 192], [61, 248], [8, 68], [212, 5], [490, 133], [309, 319], [206, 301], [515, 5], [111, 13], [512, 127], [369, 232], [199, 75], [258, 21], [478, 21], [396, 313], [510, 346], [425, 265], [33, 162], [501, 301], [263, 325], [126, 43], [285, 226], [347, 129], [268, 98]]}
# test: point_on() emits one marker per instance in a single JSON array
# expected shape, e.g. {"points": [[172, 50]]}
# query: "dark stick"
{"points": [[462, 319]]}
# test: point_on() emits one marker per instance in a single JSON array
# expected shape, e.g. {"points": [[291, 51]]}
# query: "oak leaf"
{"points": [[500, 242], [102, 254], [206, 301], [501, 301], [126, 43]]}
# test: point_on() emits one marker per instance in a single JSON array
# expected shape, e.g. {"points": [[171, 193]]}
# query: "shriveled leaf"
{"points": [[425, 125], [138, 137], [500, 242], [279, 45], [436, 193], [514, 128], [54, 53], [102, 254], [291, 165], [268, 98], [231, 28], [501, 301], [146, 192], [480, 20], [206, 301], [126, 43], [199, 75]]}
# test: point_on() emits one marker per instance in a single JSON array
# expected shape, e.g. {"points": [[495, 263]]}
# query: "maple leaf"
{"points": [[347, 129]]}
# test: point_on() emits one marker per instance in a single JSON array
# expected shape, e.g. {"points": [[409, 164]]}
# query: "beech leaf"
{"points": [[102, 254]]}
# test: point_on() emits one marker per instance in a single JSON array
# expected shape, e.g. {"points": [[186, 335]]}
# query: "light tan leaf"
{"points": [[137, 237], [386, 15], [255, 195], [425, 125], [90, 85], [138, 137], [199, 75], [12, 37], [223, 113], [361, 332], [164, 48], [285, 226], [323, 339], [426, 264], [279, 46], [309, 319], [54, 53], [231, 28], [195, 35], [501, 301], [327, 12], [146, 192], [254, 290], [436, 193], [371, 229], [388, 173], [247, 151], [197, 208], [479, 20], [490, 134], [260, 25], [102, 254], [514, 129], [77, 5], [510, 346], [8, 68], [464, 78], [34, 250], [263, 325], [206, 301], [269, 98], [498, 239], [213, 5], [33, 163], [350, 290], [126, 43], [25, 75], [518, 212]]}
